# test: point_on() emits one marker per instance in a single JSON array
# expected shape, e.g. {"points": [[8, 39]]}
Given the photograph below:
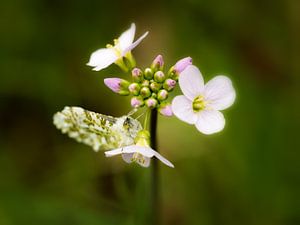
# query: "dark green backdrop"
{"points": [[246, 175]]}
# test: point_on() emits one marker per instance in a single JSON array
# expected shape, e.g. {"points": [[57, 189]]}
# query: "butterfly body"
{"points": [[99, 131]]}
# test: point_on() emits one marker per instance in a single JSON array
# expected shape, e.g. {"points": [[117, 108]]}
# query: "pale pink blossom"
{"points": [[104, 57], [201, 104]]}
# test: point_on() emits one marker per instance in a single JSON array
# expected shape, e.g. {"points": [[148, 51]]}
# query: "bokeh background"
{"points": [[248, 174]]}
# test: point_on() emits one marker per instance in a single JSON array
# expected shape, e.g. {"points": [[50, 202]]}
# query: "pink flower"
{"points": [[169, 84], [140, 152], [151, 103], [158, 63], [137, 102], [166, 110], [104, 57], [137, 75], [117, 85], [201, 103], [182, 64]]}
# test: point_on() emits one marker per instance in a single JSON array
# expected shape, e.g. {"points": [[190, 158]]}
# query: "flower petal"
{"points": [[127, 37], [102, 58], [183, 109], [163, 159], [114, 152], [145, 162], [191, 82], [210, 121], [113, 84], [129, 48], [219, 93], [145, 151], [127, 157], [166, 110], [182, 64], [128, 151]]}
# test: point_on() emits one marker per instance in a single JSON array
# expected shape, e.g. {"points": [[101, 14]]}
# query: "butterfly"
{"points": [[99, 131]]}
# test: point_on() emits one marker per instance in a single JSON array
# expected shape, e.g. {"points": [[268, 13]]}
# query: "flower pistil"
{"points": [[199, 104]]}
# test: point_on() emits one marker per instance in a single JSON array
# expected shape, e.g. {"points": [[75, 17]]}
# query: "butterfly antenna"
{"points": [[140, 115], [133, 111]]}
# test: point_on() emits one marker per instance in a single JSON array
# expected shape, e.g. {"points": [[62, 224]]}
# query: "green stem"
{"points": [[146, 120], [130, 60], [122, 65], [155, 204]]}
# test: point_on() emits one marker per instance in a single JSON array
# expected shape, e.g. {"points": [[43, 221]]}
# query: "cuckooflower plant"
{"points": [[151, 92], [150, 88]]}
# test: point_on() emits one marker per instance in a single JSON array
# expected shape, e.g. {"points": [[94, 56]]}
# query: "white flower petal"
{"points": [[219, 93], [127, 37], [183, 109], [145, 162], [102, 58], [210, 121], [128, 152], [129, 48], [145, 151], [114, 152], [191, 82], [163, 159], [127, 157]]}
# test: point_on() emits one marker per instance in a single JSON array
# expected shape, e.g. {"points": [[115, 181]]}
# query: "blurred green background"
{"points": [[247, 174]]}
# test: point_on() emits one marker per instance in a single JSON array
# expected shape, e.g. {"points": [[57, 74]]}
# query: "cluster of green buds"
{"points": [[150, 87]]}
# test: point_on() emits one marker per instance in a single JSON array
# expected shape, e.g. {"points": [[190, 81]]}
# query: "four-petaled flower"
{"points": [[201, 103], [140, 152], [104, 57]]}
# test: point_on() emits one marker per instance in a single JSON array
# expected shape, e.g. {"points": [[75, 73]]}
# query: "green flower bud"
{"points": [[158, 63], [155, 87], [169, 84], [172, 73], [134, 88], [145, 83], [159, 76], [154, 95], [165, 109], [117, 85], [148, 74], [137, 75], [137, 101], [151, 103], [145, 92], [162, 95]]}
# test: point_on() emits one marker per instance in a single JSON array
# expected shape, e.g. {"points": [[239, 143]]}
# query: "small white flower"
{"points": [[140, 152], [104, 57], [201, 103]]}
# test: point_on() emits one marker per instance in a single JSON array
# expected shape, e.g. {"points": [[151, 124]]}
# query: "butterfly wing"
{"points": [[99, 131]]}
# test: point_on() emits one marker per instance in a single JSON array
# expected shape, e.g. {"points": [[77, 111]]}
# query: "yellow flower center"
{"points": [[137, 157], [199, 104], [115, 48]]}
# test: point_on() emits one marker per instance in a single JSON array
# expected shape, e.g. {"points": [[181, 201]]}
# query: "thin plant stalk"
{"points": [[155, 203]]}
